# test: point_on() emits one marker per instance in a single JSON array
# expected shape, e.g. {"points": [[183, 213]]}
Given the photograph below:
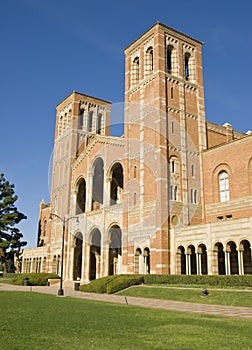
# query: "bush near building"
{"points": [[34, 279], [113, 284]]}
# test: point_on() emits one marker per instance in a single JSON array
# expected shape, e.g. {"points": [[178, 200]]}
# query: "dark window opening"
{"points": [[187, 57], [169, 59]]}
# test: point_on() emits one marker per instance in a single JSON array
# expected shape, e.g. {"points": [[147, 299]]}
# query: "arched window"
{"points": [[146, 254], [149, 61], [135, 71], [81, 197], [98, 183], [137, 261], [223, 186], [95, 255], [116, 184], [174, 165], [78, 240], [115, 250]]}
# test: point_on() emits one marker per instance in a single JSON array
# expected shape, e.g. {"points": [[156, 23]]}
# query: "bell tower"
{"points": [[79, 118], [165, 126]]}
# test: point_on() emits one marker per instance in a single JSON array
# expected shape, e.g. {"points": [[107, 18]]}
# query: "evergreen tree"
{"points": [[10, 236]]}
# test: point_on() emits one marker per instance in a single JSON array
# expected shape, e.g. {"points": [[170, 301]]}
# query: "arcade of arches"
{"points": [[100, 257], [229, 259]]}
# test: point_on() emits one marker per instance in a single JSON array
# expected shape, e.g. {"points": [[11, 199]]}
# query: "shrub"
{"points": [[111, 284], [35, 279], [122, 282], [97, 286]]}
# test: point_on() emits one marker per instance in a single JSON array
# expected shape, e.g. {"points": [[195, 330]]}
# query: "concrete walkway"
{"points": [[206, 309]]}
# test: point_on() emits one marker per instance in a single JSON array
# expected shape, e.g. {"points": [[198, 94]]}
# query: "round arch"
{"points": [[202, 251], [115, 174], [80, 190], [231, 249], [115, 249], [78, 247], [95, 253], [97, 172], [245, 251], [219, 258]]}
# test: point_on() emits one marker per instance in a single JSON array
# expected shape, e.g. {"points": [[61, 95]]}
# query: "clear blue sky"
{"points": [[50, 48]]}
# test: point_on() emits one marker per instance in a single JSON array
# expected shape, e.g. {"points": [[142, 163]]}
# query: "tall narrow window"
{"points": [[149, 61], [135, 198], [44, 231], [192, 170], [173, 166], [187, 57], [135, 71], [81, 119], [223, 186], [169, 59], [172, 127], [193, 196], [90, 121], [99, 123], [172, 92], [135, 171], [175, 193]]}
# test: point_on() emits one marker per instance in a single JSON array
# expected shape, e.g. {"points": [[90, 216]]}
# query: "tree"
{"points": [[10, 236]]}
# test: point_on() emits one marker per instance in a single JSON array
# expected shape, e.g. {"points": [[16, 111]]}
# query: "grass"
{"points": [[36, 321], [219, 297]]}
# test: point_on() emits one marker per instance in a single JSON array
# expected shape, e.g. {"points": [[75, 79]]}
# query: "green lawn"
{"points": [[220, 297], [36, 321]]}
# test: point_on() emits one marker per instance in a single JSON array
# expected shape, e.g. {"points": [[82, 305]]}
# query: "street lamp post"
{"points": [[64, 221]]}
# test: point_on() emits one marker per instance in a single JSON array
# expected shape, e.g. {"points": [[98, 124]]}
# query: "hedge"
{"points": [[113, 284], [206, 280], [35, 279]]}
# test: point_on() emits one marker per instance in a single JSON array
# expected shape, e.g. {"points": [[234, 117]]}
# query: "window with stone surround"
{"points": [[193, 196], [223, 186]]}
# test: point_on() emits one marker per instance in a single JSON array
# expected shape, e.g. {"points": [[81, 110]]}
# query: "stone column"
{"points": [[227, 262], [86, 262], [240, 262], [198, 266], [188, 263]]}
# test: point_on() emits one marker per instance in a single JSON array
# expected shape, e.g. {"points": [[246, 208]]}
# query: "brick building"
{"points": [[173, 194]]}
